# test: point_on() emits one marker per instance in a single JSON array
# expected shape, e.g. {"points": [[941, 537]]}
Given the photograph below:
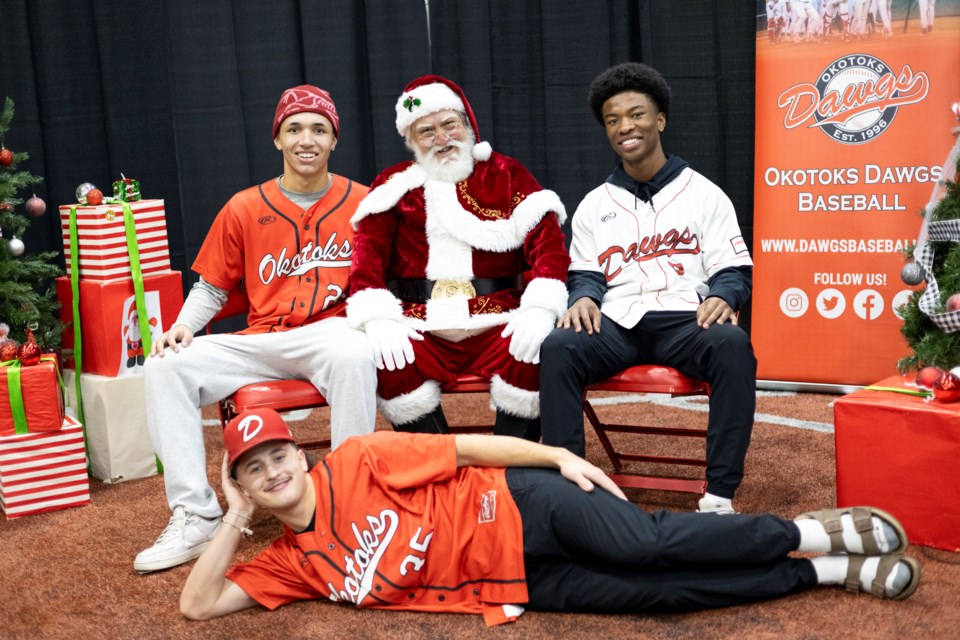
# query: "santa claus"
{"points": [[459, 267]]}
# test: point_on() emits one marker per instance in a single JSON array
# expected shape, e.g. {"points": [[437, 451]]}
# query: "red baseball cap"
{"points": [[306, 98], [251, 428]]}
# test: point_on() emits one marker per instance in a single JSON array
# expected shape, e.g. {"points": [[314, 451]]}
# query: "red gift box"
{"points": [[102, 240], [112, 344], [40, 394], [899, 452], [43, 471]]}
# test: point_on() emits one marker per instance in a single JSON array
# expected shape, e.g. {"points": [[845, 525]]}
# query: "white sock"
{"points": [[813, 537], [830, 569]]}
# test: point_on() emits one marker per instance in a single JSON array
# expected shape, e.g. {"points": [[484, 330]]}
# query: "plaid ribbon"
{"points": [[942, 231]]}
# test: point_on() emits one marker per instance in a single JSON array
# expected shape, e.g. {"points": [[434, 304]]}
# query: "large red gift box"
{"points": [[112, 344], [43, 471], [102, 241], [901, 453], [41, 396]]}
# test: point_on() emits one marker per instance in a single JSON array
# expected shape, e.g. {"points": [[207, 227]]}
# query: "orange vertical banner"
{"points": [[852, 128]]}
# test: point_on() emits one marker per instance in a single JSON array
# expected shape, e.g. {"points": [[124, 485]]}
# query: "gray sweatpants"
{"points": [[336, 359]]}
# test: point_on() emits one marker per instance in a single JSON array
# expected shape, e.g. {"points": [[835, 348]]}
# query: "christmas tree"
{"points": [[932, 345], [27, 295]]}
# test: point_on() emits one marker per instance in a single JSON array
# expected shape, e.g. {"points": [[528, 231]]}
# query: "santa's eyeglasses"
{"points": [[450, 129]]}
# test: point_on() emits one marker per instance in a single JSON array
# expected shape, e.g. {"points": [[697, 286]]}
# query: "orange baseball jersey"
{"points": [[294, 263], [399, 526]]}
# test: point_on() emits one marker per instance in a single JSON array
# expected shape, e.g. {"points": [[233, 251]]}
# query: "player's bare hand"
{"points": [[178, 337], [583, 314], [237, 501], [587, 476], [715, 310]]}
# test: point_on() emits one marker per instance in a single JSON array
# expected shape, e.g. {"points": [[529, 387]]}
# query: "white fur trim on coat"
{"points": [[514, 400], [545, 293], [453, 232], [373, 304], [389, 193], [411, 406]]}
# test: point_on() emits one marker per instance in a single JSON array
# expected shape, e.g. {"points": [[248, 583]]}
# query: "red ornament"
{"points": [[947, 387], [9, 350], [927, 376], [94, 197], [953, 302], [35, 207], [29, 352], [6, 157]]}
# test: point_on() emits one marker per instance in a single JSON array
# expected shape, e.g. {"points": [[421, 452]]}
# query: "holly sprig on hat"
{"points": [[410, 103]]}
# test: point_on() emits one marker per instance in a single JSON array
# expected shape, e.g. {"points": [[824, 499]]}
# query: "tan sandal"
{"points": [[863, 525], [887, 565]]}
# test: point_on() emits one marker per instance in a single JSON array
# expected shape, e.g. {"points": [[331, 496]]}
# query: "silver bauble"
{"points": [[83, 190], [911, 274], [16, 246]]}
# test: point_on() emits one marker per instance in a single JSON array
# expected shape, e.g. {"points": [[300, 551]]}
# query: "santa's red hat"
{"points": [[429, 94]]}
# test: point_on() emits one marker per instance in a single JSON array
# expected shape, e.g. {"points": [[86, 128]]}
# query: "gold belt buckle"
{"points": [[447, 288]]}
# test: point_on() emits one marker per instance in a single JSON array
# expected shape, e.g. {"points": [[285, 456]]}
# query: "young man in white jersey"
{"points": [[658, 272]]}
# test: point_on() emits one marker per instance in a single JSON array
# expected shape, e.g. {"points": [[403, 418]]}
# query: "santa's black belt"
{"points": [[419, 291]]}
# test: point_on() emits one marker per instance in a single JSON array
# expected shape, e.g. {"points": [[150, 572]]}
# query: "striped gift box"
{"points": [[103, 242], [43, 471]]}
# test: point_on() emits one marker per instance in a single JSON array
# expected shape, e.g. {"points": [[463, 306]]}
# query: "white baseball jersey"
{"points": [[656, 255]]}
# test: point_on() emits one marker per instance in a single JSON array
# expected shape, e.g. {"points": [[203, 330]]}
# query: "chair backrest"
{"points": [[237, 303]]}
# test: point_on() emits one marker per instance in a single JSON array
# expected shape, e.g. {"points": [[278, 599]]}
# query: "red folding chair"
{"points": [[648, 379], [294, 395]]}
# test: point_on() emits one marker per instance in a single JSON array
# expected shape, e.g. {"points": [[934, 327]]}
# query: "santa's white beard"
{"points": [[450, 169]]}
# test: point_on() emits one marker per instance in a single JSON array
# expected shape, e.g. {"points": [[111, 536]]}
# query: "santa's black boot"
{"points": [[511, 425], [433, 422]]}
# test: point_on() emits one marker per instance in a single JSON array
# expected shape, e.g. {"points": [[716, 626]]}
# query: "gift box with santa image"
{"points": [[113, 343]]}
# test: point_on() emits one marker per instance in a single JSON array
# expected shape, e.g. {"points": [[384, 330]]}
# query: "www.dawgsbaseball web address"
{"points": [[833, 245]]}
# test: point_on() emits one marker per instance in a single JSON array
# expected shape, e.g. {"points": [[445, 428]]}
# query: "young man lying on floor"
{"points": [[493, 524]]}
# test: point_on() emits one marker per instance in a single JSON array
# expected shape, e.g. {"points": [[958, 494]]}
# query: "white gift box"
{"points": [[115, 414]]}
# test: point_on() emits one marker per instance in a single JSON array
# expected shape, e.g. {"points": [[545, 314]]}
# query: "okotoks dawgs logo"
{"points": [[855, 98]]}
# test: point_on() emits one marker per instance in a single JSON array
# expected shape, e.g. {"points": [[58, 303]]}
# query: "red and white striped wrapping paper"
{"points": [[103, 242], [43, 471]]}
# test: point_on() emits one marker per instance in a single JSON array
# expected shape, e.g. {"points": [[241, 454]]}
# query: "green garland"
{"points": [[930, 344]]}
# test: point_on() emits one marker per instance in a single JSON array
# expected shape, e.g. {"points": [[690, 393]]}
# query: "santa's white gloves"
{"points": [[529, 329], [391, 343]]}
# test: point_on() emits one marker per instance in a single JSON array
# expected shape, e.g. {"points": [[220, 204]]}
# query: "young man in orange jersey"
{"points": [[492, 524], [289, 244]]}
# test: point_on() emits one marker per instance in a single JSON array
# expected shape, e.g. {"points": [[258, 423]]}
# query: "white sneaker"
{"points": [[185, 538], [715, 504]]}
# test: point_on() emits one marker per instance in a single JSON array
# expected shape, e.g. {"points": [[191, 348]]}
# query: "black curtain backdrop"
{"points": [[181, 94]]}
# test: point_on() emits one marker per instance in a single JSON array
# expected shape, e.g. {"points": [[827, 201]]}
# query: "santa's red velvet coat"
{"points": [[497, 223]]}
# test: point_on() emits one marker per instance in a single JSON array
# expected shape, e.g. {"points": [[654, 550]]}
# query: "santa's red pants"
{"points": [[485, 355]]}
